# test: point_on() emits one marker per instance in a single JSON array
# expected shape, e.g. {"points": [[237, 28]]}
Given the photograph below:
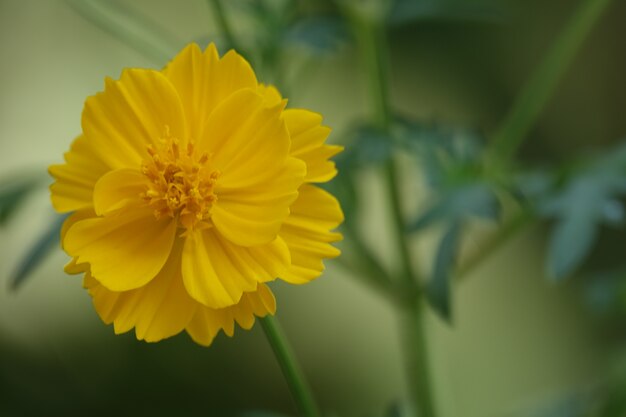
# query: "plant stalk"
{"points": [[300, 390], [371, 36], [544, 80], [415, 348]]}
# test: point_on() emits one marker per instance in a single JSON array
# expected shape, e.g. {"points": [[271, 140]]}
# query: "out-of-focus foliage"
{"points": [[48, 240], [409, 11], [13, 192]]}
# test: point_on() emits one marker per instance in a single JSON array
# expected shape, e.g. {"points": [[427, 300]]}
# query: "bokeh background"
{"points": [[519, 344]]}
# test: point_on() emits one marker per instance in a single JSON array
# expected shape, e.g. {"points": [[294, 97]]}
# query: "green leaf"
{"points": [[438, 288], [407, 11], [13, 192], [587, 202], [532, 186], [447, 155], [37, 253], [571, 240], [319, 34], [367, 146], [459, 204]]}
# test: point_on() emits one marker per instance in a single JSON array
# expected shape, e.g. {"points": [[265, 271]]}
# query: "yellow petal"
{"points": [[271, 95], [130, 114], [216, 272], [75, 180], [118, 189], [244, 135], [73, 267], [307, 232], [258, 181], [207, 322], [159, 310], [259, 303], [203, 81], [125, 251], [307, 143], [253, 215]]}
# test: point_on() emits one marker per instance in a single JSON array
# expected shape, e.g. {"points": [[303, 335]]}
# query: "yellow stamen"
{"points": [[181, 184]]}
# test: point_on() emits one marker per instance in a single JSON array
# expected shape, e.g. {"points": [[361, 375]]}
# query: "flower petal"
{"points": [[216, 272], [307, 232], [250, 146], [72, 267], [75, 180], [118, 189], [207, 322], [203, 81], [125, 251], [159, 310], [307, 143], [270, 93], [245, 135], [251, 216], [130, 114]]}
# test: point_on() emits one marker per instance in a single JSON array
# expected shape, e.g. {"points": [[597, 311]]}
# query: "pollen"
{"points": [[181, 182]]}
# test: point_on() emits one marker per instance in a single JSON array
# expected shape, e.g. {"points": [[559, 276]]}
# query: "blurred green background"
{"points": [[518, 344]]}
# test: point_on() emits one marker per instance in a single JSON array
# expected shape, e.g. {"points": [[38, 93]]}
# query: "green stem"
{"points": [[416, 358], [544, 80], [372, 41], [223, 25], [298, 386]]}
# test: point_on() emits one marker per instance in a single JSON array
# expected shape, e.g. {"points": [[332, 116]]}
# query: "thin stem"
{"points": [[223, 24], [374, 51], [298, 386], [416, 357], [544, 80], [372, 41]]}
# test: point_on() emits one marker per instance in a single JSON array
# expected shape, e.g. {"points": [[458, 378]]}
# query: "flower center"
{"points": [[181, 183]]}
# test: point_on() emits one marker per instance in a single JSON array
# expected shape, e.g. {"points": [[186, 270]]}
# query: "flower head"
{"points": [[190, 188]]}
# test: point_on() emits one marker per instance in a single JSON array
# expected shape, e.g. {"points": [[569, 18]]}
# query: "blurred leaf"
{"points": [[133, 29], [367, 146], [38, 252], [438, 288], [571, 240], [407, 11], [319, 34], [447, 155], [459, 204], [13, 191], [581, 200], [533, 186], [587, 202]]}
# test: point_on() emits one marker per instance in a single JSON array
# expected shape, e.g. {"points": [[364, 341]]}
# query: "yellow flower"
{"points": [[190, 188]]}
